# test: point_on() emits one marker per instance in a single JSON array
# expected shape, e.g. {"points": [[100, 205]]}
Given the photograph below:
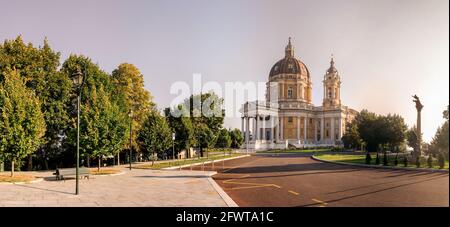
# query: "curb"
{"points": [[226, 198], [109, 175], [382, 167], [29, 182], [207, 162]]}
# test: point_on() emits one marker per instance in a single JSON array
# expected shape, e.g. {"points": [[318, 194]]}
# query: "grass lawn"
{"points": [[361, 159], [183, 162], [5, 177], [103, 171], [296, 150]]}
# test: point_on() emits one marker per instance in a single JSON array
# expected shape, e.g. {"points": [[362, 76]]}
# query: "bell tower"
{"points": [[331, 88]]}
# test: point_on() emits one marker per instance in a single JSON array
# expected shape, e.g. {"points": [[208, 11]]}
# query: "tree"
{"points": [[393, 130], [411, 137], [368, 129], [39, 67], [439, 143], [22, 123], [351, 137], [236, 138], [155, 136], [129, 83], [207, 115], [183, 128], [223, 139], [103, 125]]}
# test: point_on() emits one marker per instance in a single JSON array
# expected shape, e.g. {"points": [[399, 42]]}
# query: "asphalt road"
{"points": [[293, 180]]}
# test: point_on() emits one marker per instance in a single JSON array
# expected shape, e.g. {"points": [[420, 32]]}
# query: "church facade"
{"points": [[288, 118]]}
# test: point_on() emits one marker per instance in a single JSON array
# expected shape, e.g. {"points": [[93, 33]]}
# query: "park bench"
{"points": [[62, 173]]}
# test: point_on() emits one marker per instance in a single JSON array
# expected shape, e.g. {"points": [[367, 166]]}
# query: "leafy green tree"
{"points": [[223, 139], [207, 115], [368, 129], [392, 130], [39, 67], [439, 143], [155, 135], [351, 137], [103, 125], [411, 137], [183, 128], [236, 138], [22, 123], [129, 83]]}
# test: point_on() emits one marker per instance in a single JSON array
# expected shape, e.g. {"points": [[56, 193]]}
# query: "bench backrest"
{"points": [[72, 171]]}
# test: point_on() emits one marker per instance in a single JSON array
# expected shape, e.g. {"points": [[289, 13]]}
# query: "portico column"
{"points": [[272, 130], [256, 127], [298, 128], [282, 128], [340, 127], [322, 121], [247, 131], [242, 126], [263, 130], [315, 130], [305, 122], [332, 134]]}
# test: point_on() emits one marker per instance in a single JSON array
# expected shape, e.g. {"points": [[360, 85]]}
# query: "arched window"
{"points": [[329, 92], [290, 92]]}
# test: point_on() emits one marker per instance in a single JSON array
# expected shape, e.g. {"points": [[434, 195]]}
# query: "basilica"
{"points": [[288, 118]]}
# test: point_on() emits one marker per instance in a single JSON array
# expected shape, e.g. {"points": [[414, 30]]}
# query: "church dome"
{"points": [[289, 64]]}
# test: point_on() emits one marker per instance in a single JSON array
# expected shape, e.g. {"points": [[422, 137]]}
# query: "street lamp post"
{"points": [[78, 81], [130, 114], [173, 146]]}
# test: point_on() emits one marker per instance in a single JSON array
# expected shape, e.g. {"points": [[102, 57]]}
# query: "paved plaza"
{"points": [[134, 188]]}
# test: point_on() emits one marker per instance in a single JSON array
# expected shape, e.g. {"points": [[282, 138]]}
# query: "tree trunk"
{"points": [[45, 163], [89, 161], [118, 158], [12, 168], [201, 151], [99, 163], [30, 162]]}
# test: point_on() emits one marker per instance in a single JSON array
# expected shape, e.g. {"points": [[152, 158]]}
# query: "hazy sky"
{"points": [[385, 51]]}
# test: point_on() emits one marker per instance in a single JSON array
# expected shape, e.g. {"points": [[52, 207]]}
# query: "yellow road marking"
{"points": [[295, 193], [321, 202]]}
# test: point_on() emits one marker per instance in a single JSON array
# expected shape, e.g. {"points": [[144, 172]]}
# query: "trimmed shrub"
{"points": [[368, 158], [377, 160], [385, 159], [418, 162], [405, 161], [430, 161], [396, 160], [441, 160]]}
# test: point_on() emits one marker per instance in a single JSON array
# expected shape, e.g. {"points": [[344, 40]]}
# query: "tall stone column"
{"points": [[256, 127], [332, 134], [242, 126], [272, 129], [419, 108], [322, 122], [305, 131], [315, 131], [281, 128], [263, 129], [247, 131], [298, 127]]}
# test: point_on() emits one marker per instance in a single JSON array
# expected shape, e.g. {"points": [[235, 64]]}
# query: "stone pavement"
{"points": [[139, 187]]}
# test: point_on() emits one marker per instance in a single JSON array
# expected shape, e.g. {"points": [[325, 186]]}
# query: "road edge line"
{"points": [[225, 197], [207, 162]]}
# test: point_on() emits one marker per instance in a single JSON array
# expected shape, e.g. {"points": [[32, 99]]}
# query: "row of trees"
{"points": [[38, 109], [381, 133], [375, 132]]}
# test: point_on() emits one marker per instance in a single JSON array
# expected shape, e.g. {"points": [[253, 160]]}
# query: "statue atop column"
{"points": [[419, 106]]}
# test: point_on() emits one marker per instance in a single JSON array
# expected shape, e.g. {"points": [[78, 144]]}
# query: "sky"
{"points": [[385, 51]]}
